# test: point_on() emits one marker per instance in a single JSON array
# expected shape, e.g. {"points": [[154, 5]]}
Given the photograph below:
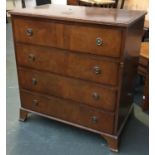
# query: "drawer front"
{"points": [[99, 41], [86, 39], [68, 111], [77, 90], [67, 63]]}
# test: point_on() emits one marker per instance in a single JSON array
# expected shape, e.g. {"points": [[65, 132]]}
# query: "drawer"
{"points": [[77, 38], [77, 90], [67, 63], [68, 111]]}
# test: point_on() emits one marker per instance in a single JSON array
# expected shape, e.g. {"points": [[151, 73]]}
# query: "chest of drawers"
{"points": [[77, 65]]}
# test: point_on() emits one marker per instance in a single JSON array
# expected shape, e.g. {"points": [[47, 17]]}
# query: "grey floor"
{"points": [[42, 136]]}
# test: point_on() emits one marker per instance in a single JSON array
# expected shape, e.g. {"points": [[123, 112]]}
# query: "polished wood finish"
{"points": [[77, 65], [85, 15], [68, 88], [129, 68], [86, 67], [74, 37], [69, 111], [143, 70]]}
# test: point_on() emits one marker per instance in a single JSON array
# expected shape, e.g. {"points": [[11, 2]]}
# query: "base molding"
{"points": [[112, 140]]}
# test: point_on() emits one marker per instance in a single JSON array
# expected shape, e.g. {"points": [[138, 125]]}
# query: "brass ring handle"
{"points": [[31, 57], [34, 81], [94, 119], [96, 96], [35, 102], [97, 70], [29, 32], [99, 41]]}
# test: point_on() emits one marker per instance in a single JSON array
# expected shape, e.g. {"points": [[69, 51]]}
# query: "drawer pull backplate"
{"points": [[29, 32], [97, 70], [99, 41], [94, 119], [96, 96]]}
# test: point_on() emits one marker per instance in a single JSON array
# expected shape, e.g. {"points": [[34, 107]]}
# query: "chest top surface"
{"points": [[91, 15]]}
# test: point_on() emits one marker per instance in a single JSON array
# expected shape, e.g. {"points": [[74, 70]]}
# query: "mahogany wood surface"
{"points": [[68, 110], [130, 64], [81, 14], [68, 88], [87, 67], [74, 37], [77, 65]]}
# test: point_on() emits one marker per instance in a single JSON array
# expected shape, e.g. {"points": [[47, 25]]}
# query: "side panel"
{"points": [[132, 43]]}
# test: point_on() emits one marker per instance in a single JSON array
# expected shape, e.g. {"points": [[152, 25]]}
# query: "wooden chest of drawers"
{"points": [[77, 65]]}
